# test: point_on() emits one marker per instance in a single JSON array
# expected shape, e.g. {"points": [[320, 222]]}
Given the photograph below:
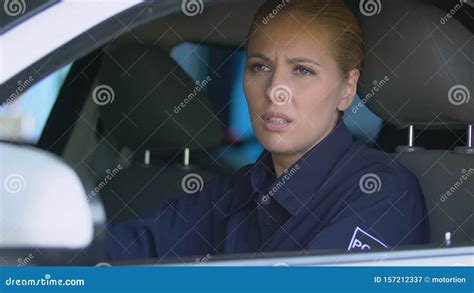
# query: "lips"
{"points": [[276, 121]]}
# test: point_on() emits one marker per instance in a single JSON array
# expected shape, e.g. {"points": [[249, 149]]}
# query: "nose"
{"points": [[278, 92]]}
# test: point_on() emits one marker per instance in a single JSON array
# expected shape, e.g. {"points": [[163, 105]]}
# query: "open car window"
{"points": [[28, 114], [145, 134]]}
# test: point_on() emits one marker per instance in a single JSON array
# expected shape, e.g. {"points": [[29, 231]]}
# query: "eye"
{"points": [[301, 70], [259, 68]]}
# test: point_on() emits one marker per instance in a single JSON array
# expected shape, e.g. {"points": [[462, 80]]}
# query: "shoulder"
{"points": [[375, 181], [381, 196], [366, 165]]}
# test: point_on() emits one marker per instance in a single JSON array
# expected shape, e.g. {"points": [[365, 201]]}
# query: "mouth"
{"points": [[276, 121]]}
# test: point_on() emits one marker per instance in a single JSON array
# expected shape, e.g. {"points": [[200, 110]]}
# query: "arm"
{"points": [[188, 226], [394, 216]]}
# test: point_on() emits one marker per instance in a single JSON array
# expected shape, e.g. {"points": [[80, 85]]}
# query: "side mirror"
{"points": [[43, 206]]}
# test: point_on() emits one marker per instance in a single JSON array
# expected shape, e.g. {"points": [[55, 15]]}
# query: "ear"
{"points": [[349, 90]]}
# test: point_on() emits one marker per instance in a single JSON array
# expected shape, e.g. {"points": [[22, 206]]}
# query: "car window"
{"points": [[28, 107], [98, 147], [226, 69]]}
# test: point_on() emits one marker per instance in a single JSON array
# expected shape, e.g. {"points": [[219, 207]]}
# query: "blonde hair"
{"points": [[334, 15]]}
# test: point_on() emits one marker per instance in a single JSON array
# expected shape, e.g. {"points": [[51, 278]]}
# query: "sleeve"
{"points": [[189, 226], [392, 217]]}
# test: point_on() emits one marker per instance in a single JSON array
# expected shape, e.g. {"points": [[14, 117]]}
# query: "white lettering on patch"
{"points": [[363, 241]]}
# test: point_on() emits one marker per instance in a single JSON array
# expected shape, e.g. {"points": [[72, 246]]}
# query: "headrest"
{"points": [[149, 102], [418, 68]]}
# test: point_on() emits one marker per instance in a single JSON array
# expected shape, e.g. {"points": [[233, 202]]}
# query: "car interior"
{"points": [[154, 67]]}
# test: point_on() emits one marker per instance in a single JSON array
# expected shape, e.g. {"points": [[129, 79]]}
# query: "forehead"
{"points": [[290, 34]]}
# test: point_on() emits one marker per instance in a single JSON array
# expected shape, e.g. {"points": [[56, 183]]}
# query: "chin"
{"points": [[275, 144]]}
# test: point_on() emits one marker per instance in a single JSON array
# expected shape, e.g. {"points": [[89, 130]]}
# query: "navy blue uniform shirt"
{"points": [[340, 195]]}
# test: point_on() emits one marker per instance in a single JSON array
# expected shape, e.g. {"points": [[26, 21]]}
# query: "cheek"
{"points": [[247, 87], [254, 93], [315, 105], [319, 96], [311, 100]]}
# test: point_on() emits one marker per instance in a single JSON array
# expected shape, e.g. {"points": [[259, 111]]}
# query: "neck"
{"points": [[282, 162]]}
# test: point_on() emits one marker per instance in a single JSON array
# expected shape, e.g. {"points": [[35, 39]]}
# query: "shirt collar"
{"points": [[298, 183]]}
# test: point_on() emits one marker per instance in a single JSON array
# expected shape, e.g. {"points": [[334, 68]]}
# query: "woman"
{"points": [[313, 187]]}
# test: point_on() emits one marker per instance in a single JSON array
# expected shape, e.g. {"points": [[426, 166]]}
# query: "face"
{"points": [[293, 86]]}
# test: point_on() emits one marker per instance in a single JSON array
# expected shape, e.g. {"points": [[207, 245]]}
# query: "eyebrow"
{"points": [[291, 60], [303, 60], [259, 55]]}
